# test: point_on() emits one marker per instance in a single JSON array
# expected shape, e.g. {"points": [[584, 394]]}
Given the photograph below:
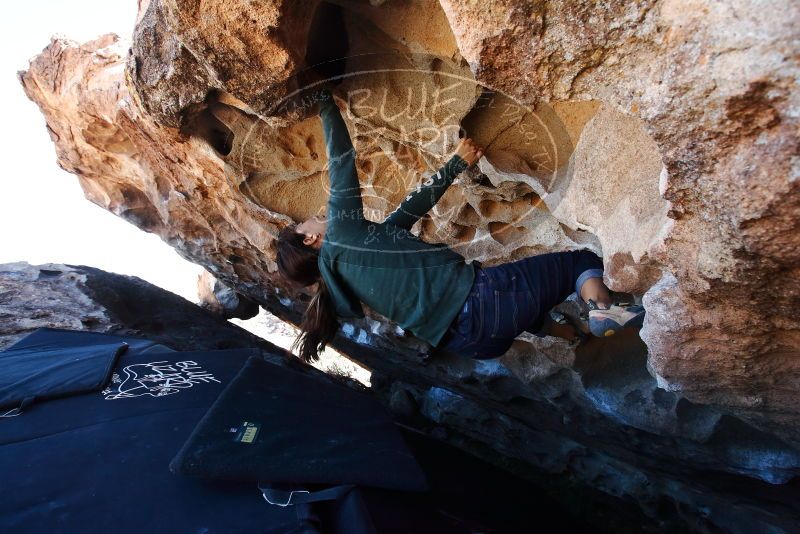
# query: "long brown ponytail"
{"points": [[297, 262]]}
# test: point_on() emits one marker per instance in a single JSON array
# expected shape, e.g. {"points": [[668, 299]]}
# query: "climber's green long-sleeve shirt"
{"points": [[421, 286]]}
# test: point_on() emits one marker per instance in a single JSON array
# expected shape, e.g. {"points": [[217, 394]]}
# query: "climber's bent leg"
{"points": [[514, 297]]}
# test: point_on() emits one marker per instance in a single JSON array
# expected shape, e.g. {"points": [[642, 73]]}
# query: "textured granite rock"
{"points": [[660, 134], [714, 86], [182, 49], [217, 298], [25, 288], [77, 297]]}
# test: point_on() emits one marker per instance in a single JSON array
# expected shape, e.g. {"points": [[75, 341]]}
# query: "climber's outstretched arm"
{"points": [[426, 195], [420, 201], [344, 204]]}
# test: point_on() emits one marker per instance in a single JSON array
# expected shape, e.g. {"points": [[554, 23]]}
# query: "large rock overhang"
{"points": [[662, 136]]}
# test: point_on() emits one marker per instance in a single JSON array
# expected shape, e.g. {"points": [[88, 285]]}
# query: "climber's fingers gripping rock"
{"points": [[469, 151]]}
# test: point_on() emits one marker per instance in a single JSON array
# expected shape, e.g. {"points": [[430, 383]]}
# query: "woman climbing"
{"points": [[428, 289]]}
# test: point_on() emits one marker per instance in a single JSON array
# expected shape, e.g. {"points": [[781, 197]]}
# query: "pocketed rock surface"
{"points": [[662, 135]]}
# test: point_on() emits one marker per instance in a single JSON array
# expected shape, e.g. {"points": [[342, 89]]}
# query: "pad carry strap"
{"points": [[285, 497], [18, 410]]}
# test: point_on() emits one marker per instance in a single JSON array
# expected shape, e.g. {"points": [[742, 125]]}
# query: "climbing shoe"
{"points": [[606, 322]]}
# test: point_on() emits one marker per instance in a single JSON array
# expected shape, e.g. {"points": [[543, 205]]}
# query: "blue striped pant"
{"points": [[507, 299]]}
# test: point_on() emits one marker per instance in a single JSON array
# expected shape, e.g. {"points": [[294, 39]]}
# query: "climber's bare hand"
{"points": [[469, 151]]}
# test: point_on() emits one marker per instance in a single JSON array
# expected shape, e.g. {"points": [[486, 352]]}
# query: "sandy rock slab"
{"points": [[73, 297], [45, 296]]}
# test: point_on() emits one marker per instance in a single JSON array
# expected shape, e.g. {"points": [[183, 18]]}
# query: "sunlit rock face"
{"points": [[662, 135]]}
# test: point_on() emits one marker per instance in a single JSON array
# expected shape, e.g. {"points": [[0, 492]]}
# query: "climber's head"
{"points": [[313, 231], [296, 254], [297, 261]]}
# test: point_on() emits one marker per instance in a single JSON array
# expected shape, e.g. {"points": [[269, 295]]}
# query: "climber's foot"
{"points": [[606, 322], [560, 325]]}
